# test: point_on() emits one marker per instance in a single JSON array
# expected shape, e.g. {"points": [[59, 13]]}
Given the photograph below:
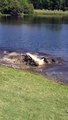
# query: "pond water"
{"points": [[38, 34], [46, 35]]}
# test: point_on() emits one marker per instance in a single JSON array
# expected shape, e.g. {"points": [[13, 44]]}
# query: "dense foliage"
{"points": [[26, 6], [15, 7], [50, 4], [10, 6]]}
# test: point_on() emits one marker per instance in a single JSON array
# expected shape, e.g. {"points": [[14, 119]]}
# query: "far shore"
{"points": [[50, 13], [42, 13]]}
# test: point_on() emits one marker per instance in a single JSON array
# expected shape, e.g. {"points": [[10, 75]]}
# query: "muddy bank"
{"points": [[53, 67]]}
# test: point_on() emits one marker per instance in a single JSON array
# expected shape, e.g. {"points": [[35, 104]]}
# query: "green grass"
{"points": [[29, 96], [50, 12]]}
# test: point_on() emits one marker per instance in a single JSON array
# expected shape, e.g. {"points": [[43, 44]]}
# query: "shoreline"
{"points": [[50, 13], [15, 60], [41, 13]]}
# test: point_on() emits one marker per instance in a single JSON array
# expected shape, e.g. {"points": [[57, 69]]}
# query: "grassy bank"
{"points": [[27, 96], [50, 12]]}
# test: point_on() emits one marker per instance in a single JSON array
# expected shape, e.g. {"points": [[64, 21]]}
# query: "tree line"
{"points": [[27, 6], [50, 4]]}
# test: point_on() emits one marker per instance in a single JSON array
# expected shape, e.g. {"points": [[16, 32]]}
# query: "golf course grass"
{"points": [[28, 96]]}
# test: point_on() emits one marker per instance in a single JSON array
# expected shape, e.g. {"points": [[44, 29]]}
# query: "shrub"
{"points": [[28, 8], [10, 6]]}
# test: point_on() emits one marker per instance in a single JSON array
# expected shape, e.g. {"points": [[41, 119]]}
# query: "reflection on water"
{"points": [[34, 20]]}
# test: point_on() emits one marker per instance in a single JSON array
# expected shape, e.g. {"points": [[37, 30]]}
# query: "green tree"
{"points": [[50, 4], [10, 6], [28, 8]]}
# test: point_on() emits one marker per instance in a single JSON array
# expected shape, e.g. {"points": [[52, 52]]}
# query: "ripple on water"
{"points": [[59, 73]]}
